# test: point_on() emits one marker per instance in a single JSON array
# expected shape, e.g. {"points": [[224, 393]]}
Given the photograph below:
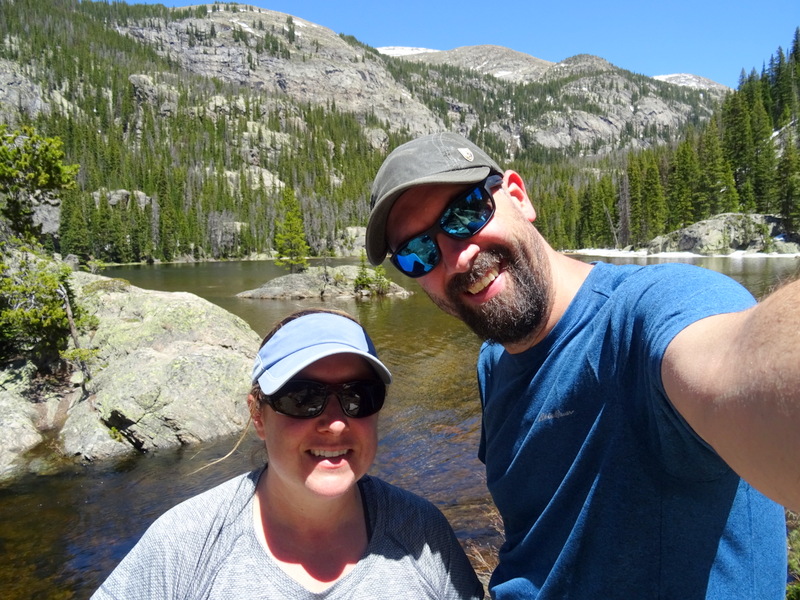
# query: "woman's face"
{"points": [[325, 455]]}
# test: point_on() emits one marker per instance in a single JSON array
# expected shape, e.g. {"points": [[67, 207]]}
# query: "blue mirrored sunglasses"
{"points": [[464, 216]]}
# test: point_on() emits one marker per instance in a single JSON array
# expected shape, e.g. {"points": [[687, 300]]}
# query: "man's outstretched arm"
{"points": [[735, 378]]}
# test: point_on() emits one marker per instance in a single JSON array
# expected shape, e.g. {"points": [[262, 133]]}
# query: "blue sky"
{"points": [[711, 38]]}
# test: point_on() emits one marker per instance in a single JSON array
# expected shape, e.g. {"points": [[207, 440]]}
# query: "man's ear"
{"points": [[256, 415], [513, 184]]}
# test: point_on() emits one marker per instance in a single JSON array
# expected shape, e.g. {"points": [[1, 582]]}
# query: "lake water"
{"points": [[60, 535]]}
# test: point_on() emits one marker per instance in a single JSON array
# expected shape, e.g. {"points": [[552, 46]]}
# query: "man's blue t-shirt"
{"points": [[605, 491]]}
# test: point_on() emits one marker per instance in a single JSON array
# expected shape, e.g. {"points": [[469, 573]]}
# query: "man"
{"points": [[621, 404]]}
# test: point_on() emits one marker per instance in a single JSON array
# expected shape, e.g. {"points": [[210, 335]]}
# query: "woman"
{"points": [[312, 523]]}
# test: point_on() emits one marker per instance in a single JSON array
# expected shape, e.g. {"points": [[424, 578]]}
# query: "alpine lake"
{"points": [[61, 534]]}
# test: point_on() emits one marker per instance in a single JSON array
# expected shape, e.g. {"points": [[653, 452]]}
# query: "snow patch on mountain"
{"points": [[691, 81], [403, 50]]}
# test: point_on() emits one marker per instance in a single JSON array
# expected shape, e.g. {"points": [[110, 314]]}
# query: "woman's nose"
{"points": [[332, 418]]}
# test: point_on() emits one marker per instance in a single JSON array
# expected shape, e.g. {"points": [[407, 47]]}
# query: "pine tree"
{"points": [[635, 178], [589, 214], [74, 229], [118, 235], [764, 159], [608, 202], [738, 137], [653, 199], [34, 292], [784, 90], [624, 211], [290, 240], [718, 188], [30, 165], [684, 185], [789, 184], [102, 248], [596, 228], [168, 232]]}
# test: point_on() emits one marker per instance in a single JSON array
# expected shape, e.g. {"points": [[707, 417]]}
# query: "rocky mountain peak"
{"points": [[497, 61], [285, 55], [692, 81], [582, 104]]}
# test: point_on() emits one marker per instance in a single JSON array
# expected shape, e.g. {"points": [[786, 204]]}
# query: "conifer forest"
{"points": [[214, 184]]}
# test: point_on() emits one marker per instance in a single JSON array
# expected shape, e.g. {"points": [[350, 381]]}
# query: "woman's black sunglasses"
{"points": [[304, 399], [464, 216]]}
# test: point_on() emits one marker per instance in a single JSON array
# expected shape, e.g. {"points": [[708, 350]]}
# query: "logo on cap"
{"points": [[467, 154]]}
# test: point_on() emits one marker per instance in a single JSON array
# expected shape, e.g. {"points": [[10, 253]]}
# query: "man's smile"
{"points": [[484, 281]]}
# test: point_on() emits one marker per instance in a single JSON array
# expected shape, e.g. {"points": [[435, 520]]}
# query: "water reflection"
{"points": [[60, 535]]}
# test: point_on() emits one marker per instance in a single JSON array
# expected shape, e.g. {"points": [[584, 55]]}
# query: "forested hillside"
{"points": [[744, 159], [197, 135], [216, 165]]}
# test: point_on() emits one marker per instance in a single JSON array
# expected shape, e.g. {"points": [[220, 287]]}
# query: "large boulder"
{"points": [[171, 369], [18, 417]]}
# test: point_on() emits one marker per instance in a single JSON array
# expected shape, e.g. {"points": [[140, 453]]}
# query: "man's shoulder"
{"points": [[658, 284], [614, 275]]}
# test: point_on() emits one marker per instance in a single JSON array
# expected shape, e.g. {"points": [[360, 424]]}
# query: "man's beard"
{"points": [[519, 312]]}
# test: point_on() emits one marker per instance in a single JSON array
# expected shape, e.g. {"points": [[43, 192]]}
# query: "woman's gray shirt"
{"points": [[206, 547]]}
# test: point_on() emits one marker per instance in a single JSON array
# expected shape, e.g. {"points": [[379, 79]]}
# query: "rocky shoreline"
{"points": [[171, 369], [728, 233]]}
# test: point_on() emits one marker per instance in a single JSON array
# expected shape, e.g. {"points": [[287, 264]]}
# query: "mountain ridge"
{"points": [[538, 67], [581, 105], [198, 129]]}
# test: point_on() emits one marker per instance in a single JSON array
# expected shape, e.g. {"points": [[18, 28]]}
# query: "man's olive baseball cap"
{"points": [[439, 158]]}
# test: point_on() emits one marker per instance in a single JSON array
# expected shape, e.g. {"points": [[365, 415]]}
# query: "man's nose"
{"points": [[457, 255]]}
